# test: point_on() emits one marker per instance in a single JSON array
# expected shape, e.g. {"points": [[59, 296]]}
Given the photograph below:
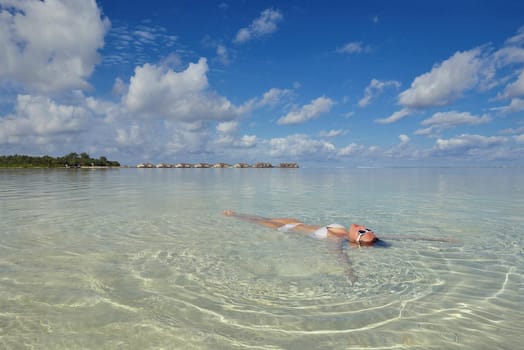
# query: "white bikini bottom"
{"points": [[287, 227], [320, 233]]}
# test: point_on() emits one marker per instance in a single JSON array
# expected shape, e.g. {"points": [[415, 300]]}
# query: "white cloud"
{"points": [[130, 136], [446, 82], [246, 141], [396, 116], [332, 133], [226, 136], [512, 52], [274, 96], [514, 89], [517, 39], [264, 25], [509, 55], [181, 140], [229, 127], [519, 138], [300, 146], [375, 88], [50, 46], [136, 45], [447, 120], [145, 36], [310, 111], [156, 91], [119, 87], [401, 150], [350, 150], [516, 105], [512, 131], [223, 55], [465, 143], [173, 60], [354, 47], [404, 139], [38, 119]]}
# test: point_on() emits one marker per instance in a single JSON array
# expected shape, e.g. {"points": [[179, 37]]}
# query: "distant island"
{"points": [[217, 165], [83, 160], [72, 160]]}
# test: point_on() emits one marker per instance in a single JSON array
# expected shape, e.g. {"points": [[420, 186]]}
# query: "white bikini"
{"points": [[320, 233], [287, 227]]}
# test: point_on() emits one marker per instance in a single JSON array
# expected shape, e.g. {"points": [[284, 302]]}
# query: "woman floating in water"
{"points": [[357, 234], [336, 234]]}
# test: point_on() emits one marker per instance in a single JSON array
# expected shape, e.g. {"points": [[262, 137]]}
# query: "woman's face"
{"points": [[362, 235]]}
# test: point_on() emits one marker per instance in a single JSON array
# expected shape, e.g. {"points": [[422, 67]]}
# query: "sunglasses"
{"points": [[362, 233]]}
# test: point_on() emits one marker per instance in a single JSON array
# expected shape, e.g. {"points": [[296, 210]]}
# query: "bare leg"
{"points": [[268, 222]]}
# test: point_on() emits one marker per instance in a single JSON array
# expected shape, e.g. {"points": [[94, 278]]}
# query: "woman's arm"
{"points": [[417, 238], [337, 248]]}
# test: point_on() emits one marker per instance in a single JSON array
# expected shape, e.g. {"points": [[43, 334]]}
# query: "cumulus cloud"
{"points": [[226, 136], [446, 82], [309, 111], [246, 141], [509, 55], [518, 38], [516, 105], [263, 25], [185, 140], [119, 87], [50, 46], [299, 145], [274, 96], [129, 136], [156, 91], [447, 120], [465, 143], [404, 139], [512, 52], [38, 119], [514, 89], [350, 150], [375, 88], [227, 127]]}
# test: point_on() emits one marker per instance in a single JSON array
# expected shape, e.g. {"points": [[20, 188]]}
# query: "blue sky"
{"points": [[338, 83]]}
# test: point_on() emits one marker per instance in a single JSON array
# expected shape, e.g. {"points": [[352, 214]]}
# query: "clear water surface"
{"points": [[143, 259]]}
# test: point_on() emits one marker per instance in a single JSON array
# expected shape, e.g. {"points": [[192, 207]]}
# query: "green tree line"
{"points": [[71, 160]]}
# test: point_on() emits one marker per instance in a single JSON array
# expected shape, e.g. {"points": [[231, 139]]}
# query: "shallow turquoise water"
{"points": [[143, 259]]}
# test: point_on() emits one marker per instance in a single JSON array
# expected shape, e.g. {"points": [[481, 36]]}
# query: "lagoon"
{"points": [[144, 259]]}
